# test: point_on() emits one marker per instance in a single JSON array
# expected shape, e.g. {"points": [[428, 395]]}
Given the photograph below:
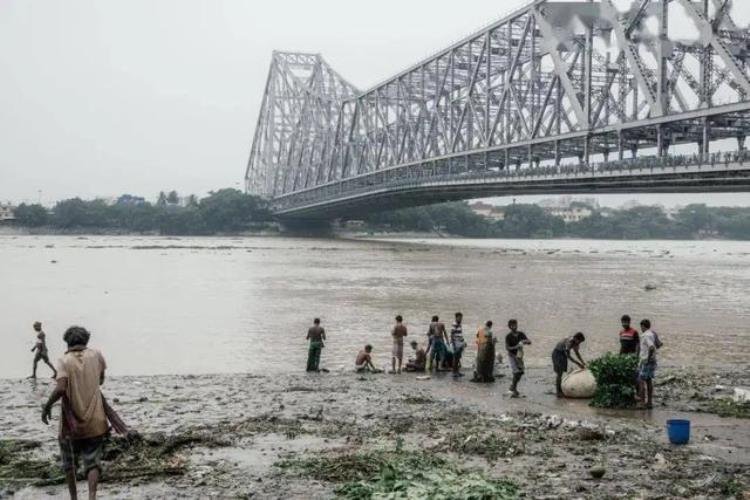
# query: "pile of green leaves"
{"points": [[394, 483], [400, 479], [338, 468], [399, 475], [615, 376]]}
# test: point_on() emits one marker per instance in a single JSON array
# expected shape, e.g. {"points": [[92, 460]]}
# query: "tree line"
{"points": [[232, 211], [223, 211], [531, 221]]}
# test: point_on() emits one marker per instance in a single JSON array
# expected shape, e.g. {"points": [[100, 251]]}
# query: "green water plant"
{"points": [[404, 475], [615, 376]]}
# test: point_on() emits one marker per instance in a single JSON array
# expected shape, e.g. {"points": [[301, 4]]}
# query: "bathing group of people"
{"points": [[86, 417], [444, 352]]}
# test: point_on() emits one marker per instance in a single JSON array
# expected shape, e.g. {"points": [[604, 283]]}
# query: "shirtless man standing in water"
{"points": [[41, 350]]}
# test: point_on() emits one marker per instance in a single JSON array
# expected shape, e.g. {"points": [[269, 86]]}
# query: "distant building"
{"points": [[606, 211], [354, 224], [567, 201], [673, 212], [488, 211], [7, 212], [573, 213], [628, 205], [130, 200]]}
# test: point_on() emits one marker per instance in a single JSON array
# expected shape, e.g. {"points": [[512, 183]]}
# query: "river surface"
{"points": [[160, 305]]}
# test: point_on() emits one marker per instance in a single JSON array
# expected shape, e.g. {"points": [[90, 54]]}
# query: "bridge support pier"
{"points": [[530, 154], [705, 144], [620, 146], [586, 150], [662, 144]]}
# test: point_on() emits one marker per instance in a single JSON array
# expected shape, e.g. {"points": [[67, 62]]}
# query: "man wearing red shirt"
{"points": [[629, 338]]}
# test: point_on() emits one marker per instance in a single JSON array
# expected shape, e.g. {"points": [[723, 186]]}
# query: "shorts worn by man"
{"points": [[83, 422]]}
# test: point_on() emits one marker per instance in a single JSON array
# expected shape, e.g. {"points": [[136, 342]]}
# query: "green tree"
{"points": [[530, 221], [78, 213], [229, 210], [33, 215], [173, 198], [454, 218], [696, 219], [182, 222]]}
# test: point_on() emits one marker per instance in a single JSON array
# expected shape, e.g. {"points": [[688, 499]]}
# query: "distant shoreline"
{"points": [[6, 230]]}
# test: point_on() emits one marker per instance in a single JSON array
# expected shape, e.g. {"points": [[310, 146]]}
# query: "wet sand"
{"points": [[304, 436]]}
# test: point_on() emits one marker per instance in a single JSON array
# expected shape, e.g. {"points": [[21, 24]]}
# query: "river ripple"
{"points": [[213, 305]]}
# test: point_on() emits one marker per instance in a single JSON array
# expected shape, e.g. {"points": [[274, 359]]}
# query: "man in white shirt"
{"points": [[647, 364]]}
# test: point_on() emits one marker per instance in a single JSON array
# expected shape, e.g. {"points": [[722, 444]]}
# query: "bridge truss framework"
{"points": [[551, 83]]}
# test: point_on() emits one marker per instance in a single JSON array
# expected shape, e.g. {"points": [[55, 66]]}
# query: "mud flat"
{"points": [[344, 435]]}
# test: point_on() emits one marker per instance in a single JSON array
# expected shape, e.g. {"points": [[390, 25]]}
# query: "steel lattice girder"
{"points": [[553, 80]]}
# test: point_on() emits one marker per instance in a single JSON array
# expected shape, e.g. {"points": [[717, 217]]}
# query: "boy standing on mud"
{"points": [[514, 342], [457, 343], [647, 365], [83, 420], [629, 340], [438, 340], [398, 333], [316, 335], [41, 350]]}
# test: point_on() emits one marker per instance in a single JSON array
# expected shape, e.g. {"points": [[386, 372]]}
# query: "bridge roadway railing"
{"points": [[408, 177]]}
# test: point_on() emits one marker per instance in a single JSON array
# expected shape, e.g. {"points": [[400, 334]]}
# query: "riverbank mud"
{"points": [[351, 436]]}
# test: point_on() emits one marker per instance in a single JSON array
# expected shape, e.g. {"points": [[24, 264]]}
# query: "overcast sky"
{"points": [[103, 97]]}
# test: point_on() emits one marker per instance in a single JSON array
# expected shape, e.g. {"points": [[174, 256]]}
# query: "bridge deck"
{"points": [[722, 173]]}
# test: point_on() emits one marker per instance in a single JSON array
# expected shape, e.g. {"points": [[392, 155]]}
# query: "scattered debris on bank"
{"points": [[321, 437], [695, 391]]}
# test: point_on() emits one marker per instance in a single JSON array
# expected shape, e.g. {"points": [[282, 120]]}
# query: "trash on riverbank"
{"points": [[727, 407], [375, 439], [124, 458]]}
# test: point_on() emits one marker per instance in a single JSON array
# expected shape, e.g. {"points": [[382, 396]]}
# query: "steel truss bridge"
{"points": [[557, 97]]}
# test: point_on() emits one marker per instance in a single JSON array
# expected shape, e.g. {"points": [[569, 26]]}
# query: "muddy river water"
{"points": [[224, 305]]}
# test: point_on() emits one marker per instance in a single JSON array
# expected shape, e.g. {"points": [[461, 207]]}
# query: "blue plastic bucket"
{"points": [[678, 431]]}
